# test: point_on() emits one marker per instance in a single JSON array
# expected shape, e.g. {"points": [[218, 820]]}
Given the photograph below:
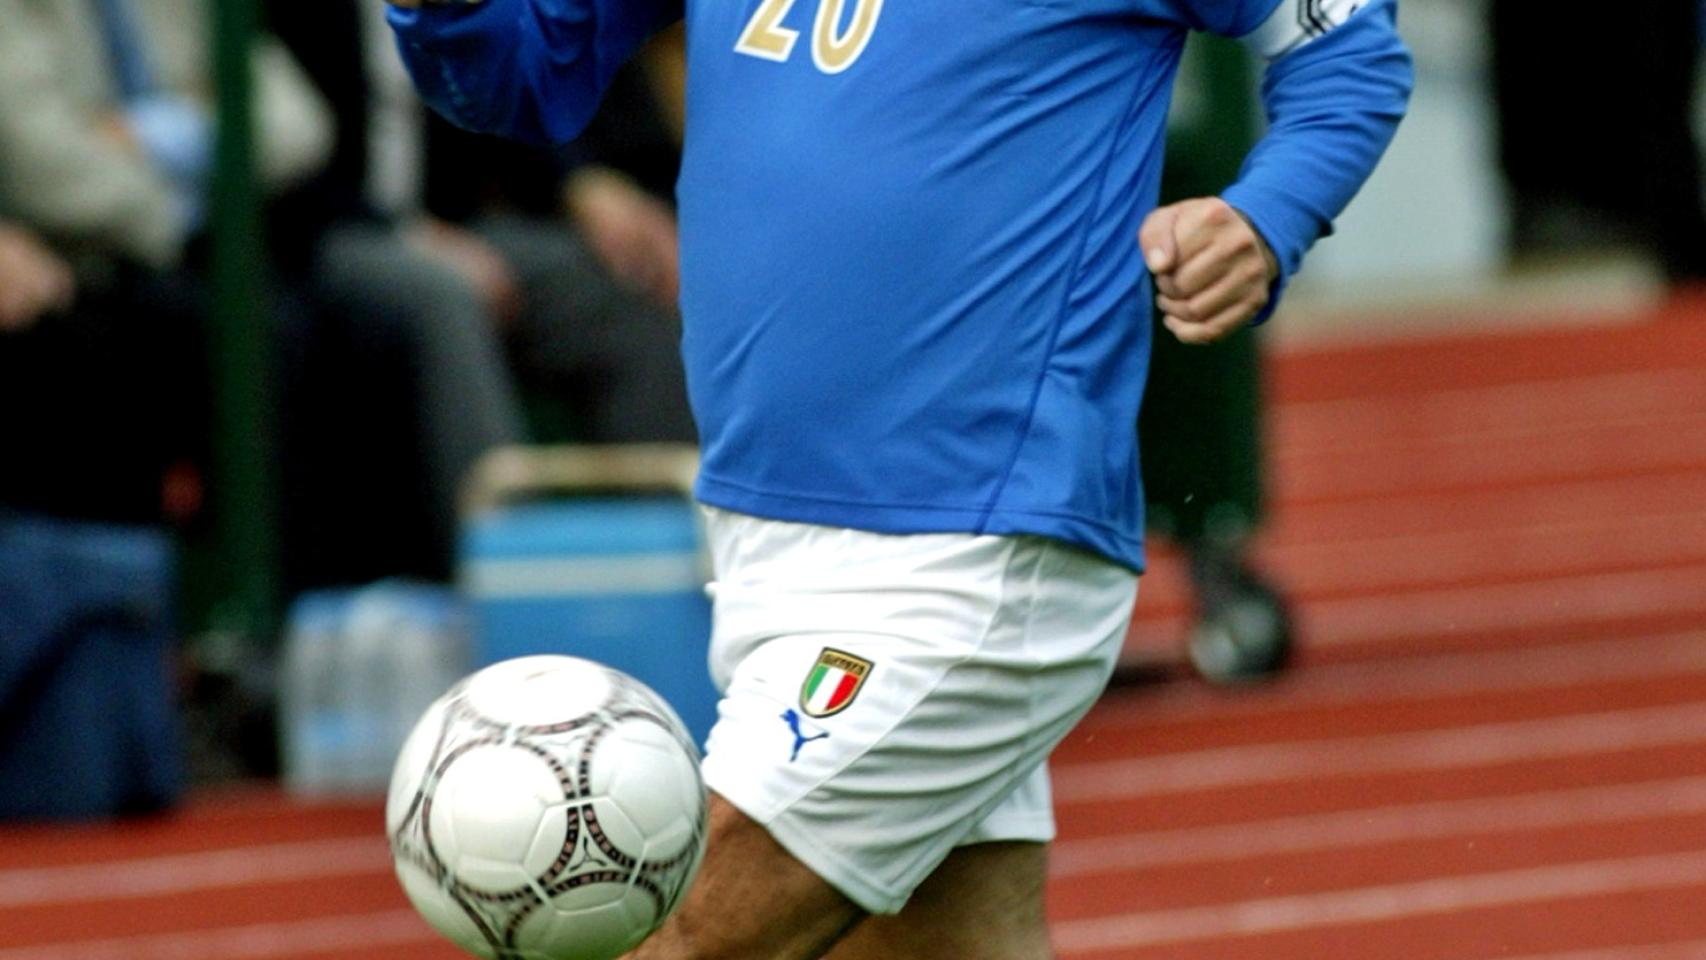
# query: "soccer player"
{"points": [[918, 241]]}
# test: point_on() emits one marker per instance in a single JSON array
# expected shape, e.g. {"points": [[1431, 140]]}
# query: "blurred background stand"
{"points": [[1632, 178], [594, 551], [88, 724]]}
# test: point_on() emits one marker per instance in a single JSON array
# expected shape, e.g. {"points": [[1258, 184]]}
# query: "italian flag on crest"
{"points": [[833, 682]]}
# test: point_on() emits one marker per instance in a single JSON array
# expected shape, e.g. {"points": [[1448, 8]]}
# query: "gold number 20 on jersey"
{"points": [[833, 49]]}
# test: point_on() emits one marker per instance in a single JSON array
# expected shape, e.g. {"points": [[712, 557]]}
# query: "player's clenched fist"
{"points": [[1212, 269]]}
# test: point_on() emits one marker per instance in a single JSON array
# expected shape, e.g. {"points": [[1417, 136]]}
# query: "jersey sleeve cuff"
{"points": [[1286, 230]]}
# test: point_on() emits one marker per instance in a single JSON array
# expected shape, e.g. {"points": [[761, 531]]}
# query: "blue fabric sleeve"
{"points": [[530, 70], [1228, 18], [1333, 106]]}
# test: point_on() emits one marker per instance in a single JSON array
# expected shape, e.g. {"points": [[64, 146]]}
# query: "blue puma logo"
{"points": [[800, 739]]}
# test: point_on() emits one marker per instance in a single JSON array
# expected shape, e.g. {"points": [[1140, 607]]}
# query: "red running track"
{"points": [[1494, 745]]}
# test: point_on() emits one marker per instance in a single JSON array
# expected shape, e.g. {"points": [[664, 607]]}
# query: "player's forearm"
{"points": [[1333, 106], [531, 70]]}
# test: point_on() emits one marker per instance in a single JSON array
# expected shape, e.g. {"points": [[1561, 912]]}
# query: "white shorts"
{"points": [[888, 698]]}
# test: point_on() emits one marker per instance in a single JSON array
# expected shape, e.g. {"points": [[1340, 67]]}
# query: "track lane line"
{"points": [[191, 828], [1344, 684], [1577, 736], [1376, 468], [1645, 341], [1379, 903], [348, 934], [1327, 425], [1500, 506], [246, 866], [1685, 950], [189, 872], [1452, 558], [1368, 827], [1553, 601]]}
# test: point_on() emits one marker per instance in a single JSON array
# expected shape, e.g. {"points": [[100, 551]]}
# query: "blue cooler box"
{"points": [[616, 579]]}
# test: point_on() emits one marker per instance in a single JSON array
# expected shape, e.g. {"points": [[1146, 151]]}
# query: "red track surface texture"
{"points": [[1494, 745]]}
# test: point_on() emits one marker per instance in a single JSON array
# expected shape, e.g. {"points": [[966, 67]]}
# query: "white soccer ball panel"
{"points": [[551, 839], [670, 843], [589, 891], [541, 690], [439, 911], [413, 764], [643, 769], [651, 700], [643, 914], [485, 875], [591, 933], [494, 806]]}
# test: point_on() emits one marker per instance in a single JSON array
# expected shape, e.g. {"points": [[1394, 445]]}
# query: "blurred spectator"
{"points": [[105, 148], [105, 123], [394, 382], [1600, 152], [402, 380], [592, 231]]}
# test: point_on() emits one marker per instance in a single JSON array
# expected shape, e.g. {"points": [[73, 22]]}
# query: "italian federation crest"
{"points": [[834, 681]]}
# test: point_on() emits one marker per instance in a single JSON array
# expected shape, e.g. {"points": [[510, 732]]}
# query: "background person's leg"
{"points": [[1201, 421], [751, 901], [400, 391], [611, 355]]}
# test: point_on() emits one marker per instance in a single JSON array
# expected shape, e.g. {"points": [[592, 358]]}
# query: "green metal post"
{"points": [[1201, 420], [244, 572]]}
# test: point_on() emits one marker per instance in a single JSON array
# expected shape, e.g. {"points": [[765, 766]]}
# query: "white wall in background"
{"points": [[1435, 210]]}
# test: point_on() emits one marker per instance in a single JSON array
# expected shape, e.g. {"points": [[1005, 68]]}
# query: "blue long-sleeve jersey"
{"points": [[911, 290]]}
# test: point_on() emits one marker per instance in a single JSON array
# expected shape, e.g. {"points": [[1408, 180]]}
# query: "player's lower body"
{"points": [[878, 769]]}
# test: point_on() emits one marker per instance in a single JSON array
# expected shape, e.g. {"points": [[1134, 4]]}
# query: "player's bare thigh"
{"points": [[754, 901], [984, 901], [751, 901]]}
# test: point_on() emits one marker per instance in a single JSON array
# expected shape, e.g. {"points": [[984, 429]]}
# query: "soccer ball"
{"points": [[547, 808]]}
